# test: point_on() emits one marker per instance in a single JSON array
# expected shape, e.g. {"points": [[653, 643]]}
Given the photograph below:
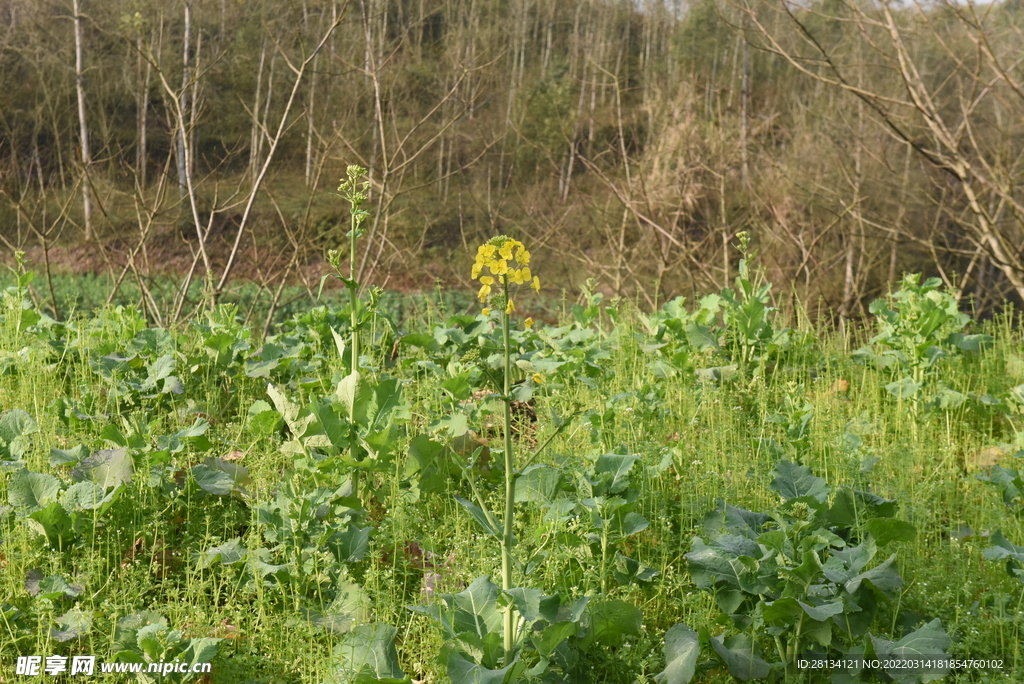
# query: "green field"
{"points": [[780, 489]]}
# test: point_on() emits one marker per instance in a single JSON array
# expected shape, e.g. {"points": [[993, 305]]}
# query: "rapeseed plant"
{"points": [[508, 260]]}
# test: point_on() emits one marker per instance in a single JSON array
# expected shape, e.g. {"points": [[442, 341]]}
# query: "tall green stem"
{"points": [[353, 299], [510, 490]]}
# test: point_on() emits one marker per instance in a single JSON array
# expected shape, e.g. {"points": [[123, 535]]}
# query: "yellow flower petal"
{"points": [[510, 307], [506, 250], [528, 323], [523, 257], [487, 311], [487, 280], [538, 379], [536, 283], [498, 267]]}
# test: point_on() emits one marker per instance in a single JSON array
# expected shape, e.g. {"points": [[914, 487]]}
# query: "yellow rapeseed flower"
{"points": [[487, 311], [538, 379], [528, 323], [507, 262]]}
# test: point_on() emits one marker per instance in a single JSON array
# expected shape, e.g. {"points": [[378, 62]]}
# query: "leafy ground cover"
{"points": [[699, 493]]}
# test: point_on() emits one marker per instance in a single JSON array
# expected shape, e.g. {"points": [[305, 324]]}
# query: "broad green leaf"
{"points": [[633, 523], [334, 426], [539, 484], [463, 671], [212, 480], [475, 610], [55, 524], [231, 551], [107, 467], [929, 641], [1004, 549], [351, 544], [87, 496], [201, 650], [346, 392], [728, 519], [682, 647], [886, 530], [30, 491], [52, 587], [883, 577], [479, 515], [905, 388], [611, 621], [614, 471], [15, 427], [61, 457], [73, 624], [627, 571], [552, 636], [458, 387], [367, 654], [350, 607], [739, 654], [220, 477], [794, 481]]}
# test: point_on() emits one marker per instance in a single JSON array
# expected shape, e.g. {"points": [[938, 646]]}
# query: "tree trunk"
{"points": [[83, 128]]}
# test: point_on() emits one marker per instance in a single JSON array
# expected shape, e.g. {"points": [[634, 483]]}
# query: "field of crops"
{"points": [[705, 492]]}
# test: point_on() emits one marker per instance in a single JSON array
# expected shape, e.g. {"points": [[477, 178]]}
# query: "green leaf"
{"points": [[1004, 549], [633, 523], [886, 530], [552, 636], [611, 621], [613, 470], [533, 605], [231, 551], [201, 650], [739, 654], [368, 654], [52, 587], [351, 544], [30, 491], [15, 427], [479, 515], [350, 606], [627, 571], [930, 641], [905, 388], [458, 387], [539, 484], [61, 457], [107, 467], [220, 477], [422, 340], [87, 496], [700, 337], [55, 524], [794, 481], [212, 480], [463, 671], [474, 611], [73, 624], [682, 647]]}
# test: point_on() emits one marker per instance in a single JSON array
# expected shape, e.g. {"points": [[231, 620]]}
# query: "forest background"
{"points": [[187, 149]]}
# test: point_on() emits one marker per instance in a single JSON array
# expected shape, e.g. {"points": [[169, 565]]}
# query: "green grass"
{"points": [[141, 553]]}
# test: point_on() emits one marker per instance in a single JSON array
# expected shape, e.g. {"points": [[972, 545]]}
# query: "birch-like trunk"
{"points": [[83, 127]]}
